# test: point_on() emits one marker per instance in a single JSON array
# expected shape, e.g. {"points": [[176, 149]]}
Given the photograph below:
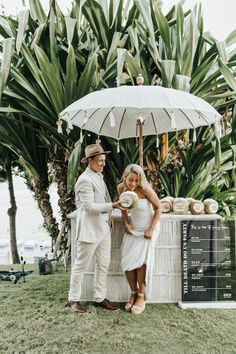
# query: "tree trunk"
{"points": [[43, 199], [66, 200], [12, 217]]}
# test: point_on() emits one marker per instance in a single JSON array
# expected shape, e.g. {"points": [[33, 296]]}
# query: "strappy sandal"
{"points": [[129, 306], [136, 309]]}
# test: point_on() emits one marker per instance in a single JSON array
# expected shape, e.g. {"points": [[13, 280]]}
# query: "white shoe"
{"points": [[136, 309], [129, 306]]}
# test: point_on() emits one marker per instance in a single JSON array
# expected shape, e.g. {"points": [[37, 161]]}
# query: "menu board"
{"points": [[208, 260]]}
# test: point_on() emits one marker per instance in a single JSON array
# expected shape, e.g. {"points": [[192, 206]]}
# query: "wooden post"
{"points": [[165, 146]]}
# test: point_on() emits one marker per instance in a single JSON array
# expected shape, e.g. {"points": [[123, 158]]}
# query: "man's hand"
{"points": [[111, 223], [117, 205]]}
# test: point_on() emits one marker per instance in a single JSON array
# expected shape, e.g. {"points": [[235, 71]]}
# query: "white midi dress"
{"points": [[137, 250]]}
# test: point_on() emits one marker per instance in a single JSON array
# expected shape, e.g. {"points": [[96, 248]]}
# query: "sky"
{"points": [[219, 15]]}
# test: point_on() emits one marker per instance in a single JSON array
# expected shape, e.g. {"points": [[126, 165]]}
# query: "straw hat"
{"points": [[93, 150]]}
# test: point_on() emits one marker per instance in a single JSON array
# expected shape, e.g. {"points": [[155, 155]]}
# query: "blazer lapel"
{"points": [[94, 180]]}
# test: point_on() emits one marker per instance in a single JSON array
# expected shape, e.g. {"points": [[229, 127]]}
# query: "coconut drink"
{"points": [[128, 200]]}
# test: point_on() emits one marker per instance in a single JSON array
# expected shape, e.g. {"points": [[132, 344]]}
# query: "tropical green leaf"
{"points": [[233, 125], [113, 47], [71, 78], [74, 162], [36, 11], [228, 74], [134, 66], [116, 9], [24, 83], [87, 77], [133, 15], [133, 36], [192, 35], [144, 9], [164, 32], [97, 20], [222, 51], [179, 37], [182, 82], [31, 65], [6, 62], [121, 52], [53, 87], [165, 182], [6, 26], [231, 38], [53, 46], [177, 182], [227, 195], [70, 28], [37, 35], [168, 71], [22, 24], [9, 110]]}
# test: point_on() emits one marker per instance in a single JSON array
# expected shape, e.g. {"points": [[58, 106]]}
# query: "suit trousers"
{"points": [[85, 252]]}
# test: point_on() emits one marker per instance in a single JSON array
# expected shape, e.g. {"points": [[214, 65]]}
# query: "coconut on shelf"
{"points": [[180, 206], [196, 207], [211, 206]]}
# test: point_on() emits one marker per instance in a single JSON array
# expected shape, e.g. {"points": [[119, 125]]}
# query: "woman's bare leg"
{"points": [[132, 280], [141, 276]]}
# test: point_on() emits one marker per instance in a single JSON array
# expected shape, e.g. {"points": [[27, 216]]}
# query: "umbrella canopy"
{"points": [[116, 112]]}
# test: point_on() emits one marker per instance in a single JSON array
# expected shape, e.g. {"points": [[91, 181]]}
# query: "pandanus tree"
{"points": [[46, 74]]}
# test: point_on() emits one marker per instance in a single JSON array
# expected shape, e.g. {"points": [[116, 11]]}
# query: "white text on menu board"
{"points": [[185, 259]]}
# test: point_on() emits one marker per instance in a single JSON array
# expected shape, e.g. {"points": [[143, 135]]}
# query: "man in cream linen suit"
{"points": [[93, 229]]}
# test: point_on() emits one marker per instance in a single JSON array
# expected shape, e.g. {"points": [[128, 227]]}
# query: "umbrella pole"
{"points": [[140, 122], [165, 144], [141, 144]]}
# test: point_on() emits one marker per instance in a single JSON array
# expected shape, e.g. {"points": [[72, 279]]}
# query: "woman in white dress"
{"points": [[140, 236]]}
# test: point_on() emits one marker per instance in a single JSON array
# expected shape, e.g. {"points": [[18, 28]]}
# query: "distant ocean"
{"points": [[33, 240]]}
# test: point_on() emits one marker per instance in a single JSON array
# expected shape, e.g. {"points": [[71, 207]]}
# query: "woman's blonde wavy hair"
{"points": [[133, 168]]}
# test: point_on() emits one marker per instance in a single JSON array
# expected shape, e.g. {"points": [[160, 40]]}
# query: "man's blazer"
{"points": [[94, 206]]}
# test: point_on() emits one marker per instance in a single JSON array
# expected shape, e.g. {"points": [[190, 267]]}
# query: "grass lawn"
{"points": [[34, 319]]}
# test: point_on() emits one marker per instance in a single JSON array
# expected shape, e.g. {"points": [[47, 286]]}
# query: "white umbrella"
{"points": [[117, 112]]}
